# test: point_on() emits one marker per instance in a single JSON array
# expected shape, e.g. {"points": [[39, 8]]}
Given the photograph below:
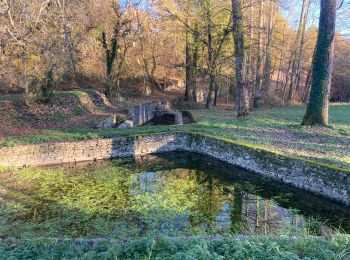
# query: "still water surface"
{"points": [[159, 195]]}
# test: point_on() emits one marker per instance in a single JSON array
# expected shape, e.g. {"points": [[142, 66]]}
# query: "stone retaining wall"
{"points": [[325, 181], [143, 113]]}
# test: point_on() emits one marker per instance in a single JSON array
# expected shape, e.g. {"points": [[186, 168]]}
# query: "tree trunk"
{"points": [[250, 60], [210, 97], [307, 86], [216, 94], [211, 65], [195, 62], [268, 68], [317, 109], [242, 88], [24, 75], [110, 57], [67, 37], [188, 66], [70, 50], [298, 53], [280, 61], [257, 92], [302, 42], [286, 80]]}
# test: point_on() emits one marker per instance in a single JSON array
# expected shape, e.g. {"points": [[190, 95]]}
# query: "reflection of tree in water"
{"points": [[180, 196], [236, 211], [209, 192], [237, 208], [213, 206], [262, 216], [119, 199]]}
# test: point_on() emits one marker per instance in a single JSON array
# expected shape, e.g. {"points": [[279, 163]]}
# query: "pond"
{"points": [[175, 194]]}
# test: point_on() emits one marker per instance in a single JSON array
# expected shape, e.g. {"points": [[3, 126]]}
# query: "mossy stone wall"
{"points": [[326, 181]]}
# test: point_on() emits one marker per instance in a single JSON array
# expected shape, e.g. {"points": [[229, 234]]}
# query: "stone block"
{"points": [[126, 124], [143, 113], [109, 122]]}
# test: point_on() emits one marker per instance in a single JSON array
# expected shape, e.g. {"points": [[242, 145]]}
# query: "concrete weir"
{"points": [[320, 179]]}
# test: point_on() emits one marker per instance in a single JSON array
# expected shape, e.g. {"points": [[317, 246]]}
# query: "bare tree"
{"points": [[22, 22], [64, 8], [297, 53]]}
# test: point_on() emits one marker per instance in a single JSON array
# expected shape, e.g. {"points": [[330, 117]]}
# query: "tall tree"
{"points": [[115, 52], [250, 54], [268, 68], [191, 62], [23, 20], [189, 69], [257, 92], [64, 7], [281, 59], [238, 35], [216, 30], [297, 54], [317, 109], [211, 60], [191, 51], [194, 62]]}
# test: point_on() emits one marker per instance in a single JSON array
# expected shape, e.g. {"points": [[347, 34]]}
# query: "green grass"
{"points": [[77, 92], [85, 98], [78, 111], [181, 248], [10, 97], [277, 130]]}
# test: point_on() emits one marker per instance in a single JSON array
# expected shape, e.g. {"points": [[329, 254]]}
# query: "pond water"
{"points": [[175, 194]]}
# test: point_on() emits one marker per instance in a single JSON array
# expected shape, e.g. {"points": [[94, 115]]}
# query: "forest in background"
{"points": [[229, 78], [115, 46]]}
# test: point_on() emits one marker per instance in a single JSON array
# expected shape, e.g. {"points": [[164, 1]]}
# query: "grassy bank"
{"points": [[275, 130], [181, 248]]}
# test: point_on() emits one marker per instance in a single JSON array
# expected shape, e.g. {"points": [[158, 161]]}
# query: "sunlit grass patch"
{"points": [[277, 129]]}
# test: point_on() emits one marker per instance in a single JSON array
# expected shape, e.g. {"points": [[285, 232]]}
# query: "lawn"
{"points": [[276, 130]]}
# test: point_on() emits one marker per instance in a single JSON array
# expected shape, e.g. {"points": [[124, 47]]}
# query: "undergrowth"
{"points": [[181, 248]]}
